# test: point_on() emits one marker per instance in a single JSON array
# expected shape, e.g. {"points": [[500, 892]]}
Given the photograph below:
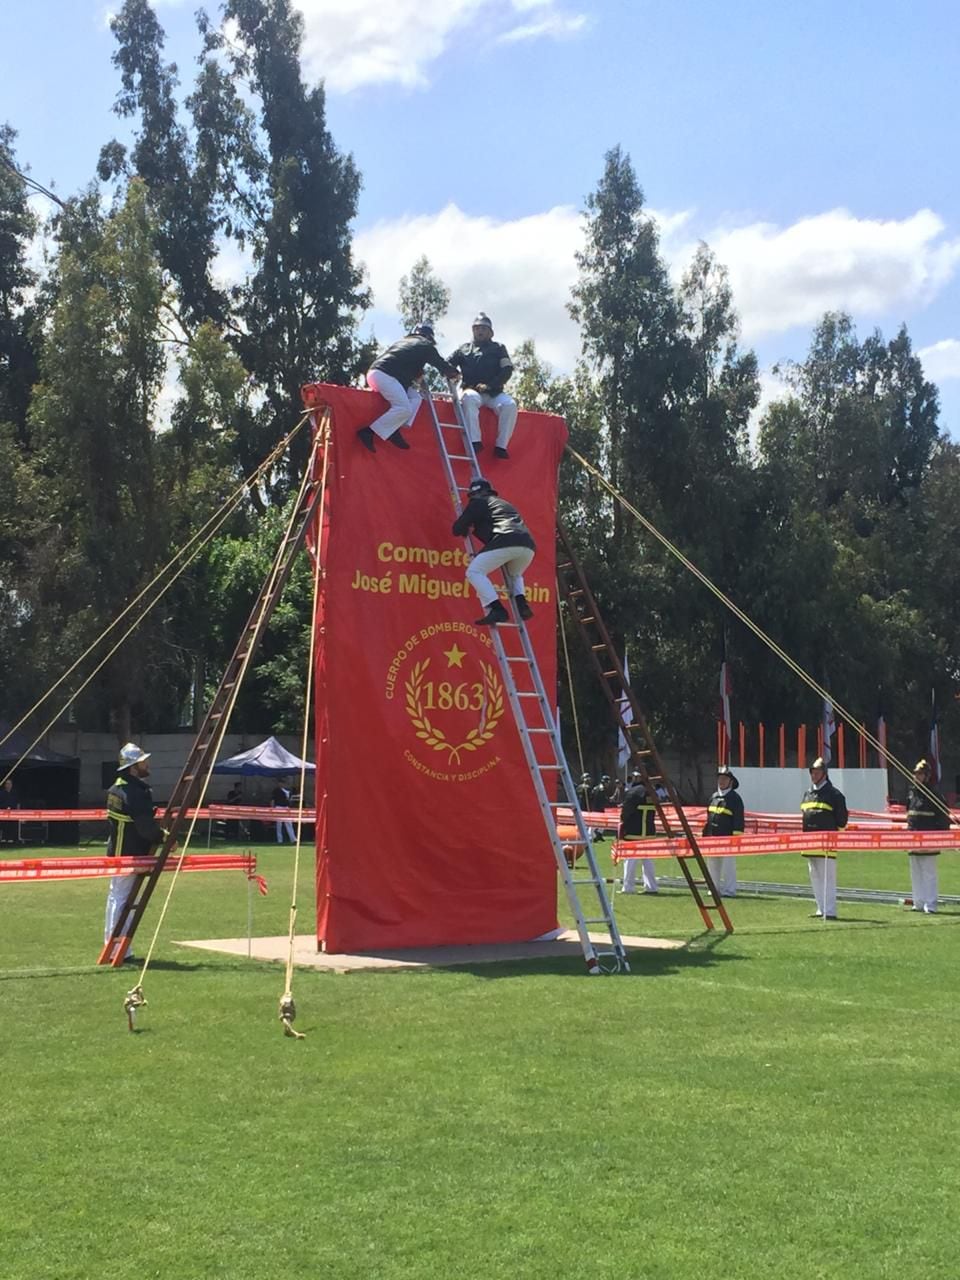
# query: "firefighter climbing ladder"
{"points": [[643, 752], [208, 740], [533, 713]]}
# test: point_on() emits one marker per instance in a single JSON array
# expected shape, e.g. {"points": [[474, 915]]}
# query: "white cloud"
{"points": [[555, 26], [784, 277], [519, 271], [352, 43], [941, 360]]}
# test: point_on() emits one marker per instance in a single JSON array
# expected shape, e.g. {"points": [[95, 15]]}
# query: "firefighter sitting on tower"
{"points": [[485, 366]]}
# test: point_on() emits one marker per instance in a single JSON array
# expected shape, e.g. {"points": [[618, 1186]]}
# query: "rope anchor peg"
{"points": [[135, 999], [288, 1012]]}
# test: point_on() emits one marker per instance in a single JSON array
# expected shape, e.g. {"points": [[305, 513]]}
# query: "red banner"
{"points": [[428, 828]]}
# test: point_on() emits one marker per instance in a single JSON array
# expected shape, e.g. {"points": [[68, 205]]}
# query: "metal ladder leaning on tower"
{"points": [[533, 713]]}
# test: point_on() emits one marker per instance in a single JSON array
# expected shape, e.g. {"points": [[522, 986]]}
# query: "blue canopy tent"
{"points": [[268, 760]]}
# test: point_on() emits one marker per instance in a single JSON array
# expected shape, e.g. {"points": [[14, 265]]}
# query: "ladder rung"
{"points": [[459, 457], [585, 618], [550, 768]]}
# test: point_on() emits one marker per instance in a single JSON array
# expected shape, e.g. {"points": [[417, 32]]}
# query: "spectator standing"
{"points": [[9, 802], [280, 799]]}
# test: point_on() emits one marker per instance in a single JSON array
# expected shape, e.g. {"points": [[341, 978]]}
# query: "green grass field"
{"points": [[779, 1103]]}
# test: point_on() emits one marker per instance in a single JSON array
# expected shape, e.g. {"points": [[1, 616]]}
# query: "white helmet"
{"points": [[131, 754]]}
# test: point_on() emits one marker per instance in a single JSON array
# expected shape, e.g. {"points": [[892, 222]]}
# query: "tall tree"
{"points": [[627, 312], [422, 295], [18, 355], [298, 309], [94, 450]]}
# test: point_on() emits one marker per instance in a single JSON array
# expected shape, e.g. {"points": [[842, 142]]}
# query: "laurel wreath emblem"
{"points": [[491, 713]]}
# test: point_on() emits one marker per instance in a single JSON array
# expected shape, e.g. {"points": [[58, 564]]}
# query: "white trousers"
{"points": [[513, 559], [117, 895], [648, 867], [284, 824], [504, 406], [723, 873], [404, 403], [923, 881], [823, 881]]}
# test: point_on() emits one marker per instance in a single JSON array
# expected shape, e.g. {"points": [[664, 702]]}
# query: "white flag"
{"points": [[626, 715], [829, 729]]}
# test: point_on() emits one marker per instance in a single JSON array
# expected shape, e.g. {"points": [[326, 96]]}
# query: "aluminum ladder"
{"points": [[585, 887]]}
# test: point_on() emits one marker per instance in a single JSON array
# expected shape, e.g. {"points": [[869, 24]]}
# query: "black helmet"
{"points": [[482, 318], [479, 486], [425, 330]]}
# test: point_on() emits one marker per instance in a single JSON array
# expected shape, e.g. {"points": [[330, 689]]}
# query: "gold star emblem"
{"points": [[454, 656]]}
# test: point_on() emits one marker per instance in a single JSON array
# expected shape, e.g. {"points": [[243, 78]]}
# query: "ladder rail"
{"points": [[559, 769], [210, 736], [612, 671]]}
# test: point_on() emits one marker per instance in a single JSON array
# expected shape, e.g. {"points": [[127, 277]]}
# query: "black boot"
{"points": [[523, 608], [398, 440], [500, 452], [367, 439], [477, 446], [496, 613]]}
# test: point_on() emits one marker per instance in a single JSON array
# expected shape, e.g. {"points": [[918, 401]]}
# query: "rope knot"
{"points": [[288, 1011]]}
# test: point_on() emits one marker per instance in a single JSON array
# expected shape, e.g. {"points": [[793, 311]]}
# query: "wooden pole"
{"points": [[783, 745], [763, 744]]}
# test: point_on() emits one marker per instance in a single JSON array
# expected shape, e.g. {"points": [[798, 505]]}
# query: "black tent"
{"points": [[44, 779]]}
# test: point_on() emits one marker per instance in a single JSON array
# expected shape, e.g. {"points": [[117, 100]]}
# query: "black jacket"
{"points": [[494, 522], [724, 814], [637, 814], [406, 359], [483, 364], [824, 810], [922, 814], [133, 829]]}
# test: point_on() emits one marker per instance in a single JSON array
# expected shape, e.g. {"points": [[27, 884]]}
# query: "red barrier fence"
{"points": [[20, 869]]}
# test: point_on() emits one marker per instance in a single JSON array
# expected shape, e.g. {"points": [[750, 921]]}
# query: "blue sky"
{"points": [[812, 146]]}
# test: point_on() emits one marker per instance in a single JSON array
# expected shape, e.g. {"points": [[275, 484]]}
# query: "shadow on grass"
{"points": [[701, 952], [131, 971]]}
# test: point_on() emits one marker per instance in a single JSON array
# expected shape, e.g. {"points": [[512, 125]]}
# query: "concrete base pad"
{"points": [[306, 955]]}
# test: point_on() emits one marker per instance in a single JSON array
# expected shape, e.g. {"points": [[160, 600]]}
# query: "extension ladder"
{"points": [[585, 889], [643, 752], [208, 741]]}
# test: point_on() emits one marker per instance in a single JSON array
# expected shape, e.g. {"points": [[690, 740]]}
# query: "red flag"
{"points": [[442, 839]]}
